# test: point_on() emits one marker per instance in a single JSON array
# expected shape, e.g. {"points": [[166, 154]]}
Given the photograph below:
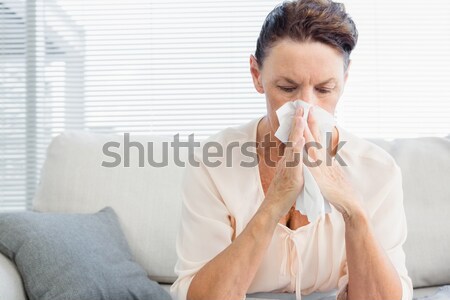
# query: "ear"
{"points": [[256, 74], [346, 71]]}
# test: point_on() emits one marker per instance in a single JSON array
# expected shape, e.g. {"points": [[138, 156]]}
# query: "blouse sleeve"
{"points": [[343, 284], [390, 227], [205, 228]]}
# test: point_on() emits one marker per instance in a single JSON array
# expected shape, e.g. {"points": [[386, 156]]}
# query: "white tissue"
{"points": [[310, 201]]}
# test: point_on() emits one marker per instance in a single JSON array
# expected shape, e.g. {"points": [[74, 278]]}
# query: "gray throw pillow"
{"points": [[74, 256]]}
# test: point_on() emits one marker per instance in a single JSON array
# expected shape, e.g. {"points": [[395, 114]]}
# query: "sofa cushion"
{"points": [[11, 286], [74, 256], [425, 165], [146, 199]]}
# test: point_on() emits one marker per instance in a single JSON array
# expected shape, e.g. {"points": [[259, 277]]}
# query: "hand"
{"points": [[288, 181], [331, 178]]}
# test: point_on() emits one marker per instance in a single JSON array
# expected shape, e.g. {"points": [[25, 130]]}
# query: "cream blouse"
{"points": [[308, 259]]}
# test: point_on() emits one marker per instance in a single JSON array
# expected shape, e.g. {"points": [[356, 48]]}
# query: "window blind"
{"points": [[182, 67]]}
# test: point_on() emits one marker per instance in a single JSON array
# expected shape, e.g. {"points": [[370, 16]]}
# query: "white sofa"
{"points": [[147, 201]]}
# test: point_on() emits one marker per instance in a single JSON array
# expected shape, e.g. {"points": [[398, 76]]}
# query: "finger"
{"points": [[294, 132], [294, 146], [296, 120], [311, 146], [313, 125], [307, 132]]}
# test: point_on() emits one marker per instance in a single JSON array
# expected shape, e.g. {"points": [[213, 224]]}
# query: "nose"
{"points": [[307, 95]]}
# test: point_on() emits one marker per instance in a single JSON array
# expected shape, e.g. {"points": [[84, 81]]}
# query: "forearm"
{"points": [[371, 273], [231, 272]]}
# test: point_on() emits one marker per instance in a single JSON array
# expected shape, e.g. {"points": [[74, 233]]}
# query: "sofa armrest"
{"points": [[11, 286]]}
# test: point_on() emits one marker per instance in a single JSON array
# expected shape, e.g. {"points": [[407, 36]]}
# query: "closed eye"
{"points": [[323, 91], [287, 89]]}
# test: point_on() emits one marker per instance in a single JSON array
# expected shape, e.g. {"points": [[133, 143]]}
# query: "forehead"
{"points": [[303, 60]]}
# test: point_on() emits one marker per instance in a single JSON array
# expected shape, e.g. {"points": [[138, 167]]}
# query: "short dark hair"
{"points": [[308, 20]]}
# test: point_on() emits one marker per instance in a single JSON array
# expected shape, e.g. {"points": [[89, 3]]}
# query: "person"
{"points": [[240, 231]]}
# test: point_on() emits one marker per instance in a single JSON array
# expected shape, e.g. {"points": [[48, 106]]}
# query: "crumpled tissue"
{"points": [[310, 201]]}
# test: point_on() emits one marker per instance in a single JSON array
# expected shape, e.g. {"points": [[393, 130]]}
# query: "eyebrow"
{"points": [[324, 82]]}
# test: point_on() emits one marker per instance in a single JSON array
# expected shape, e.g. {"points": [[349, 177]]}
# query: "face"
{"points": [[309, 71]]}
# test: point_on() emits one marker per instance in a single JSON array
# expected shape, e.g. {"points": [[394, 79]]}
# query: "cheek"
{"points": [[274, 100], [329, 102]]}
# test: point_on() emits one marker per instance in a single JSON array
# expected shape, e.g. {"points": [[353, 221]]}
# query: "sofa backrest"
{"points": [[425, 165], [148, 201]]}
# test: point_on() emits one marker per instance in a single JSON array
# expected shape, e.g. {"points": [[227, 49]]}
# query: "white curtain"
{"points": [[168, 67]]}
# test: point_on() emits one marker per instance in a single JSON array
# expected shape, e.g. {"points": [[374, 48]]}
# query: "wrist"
{"points": [[270, 211], [354, 215]]}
